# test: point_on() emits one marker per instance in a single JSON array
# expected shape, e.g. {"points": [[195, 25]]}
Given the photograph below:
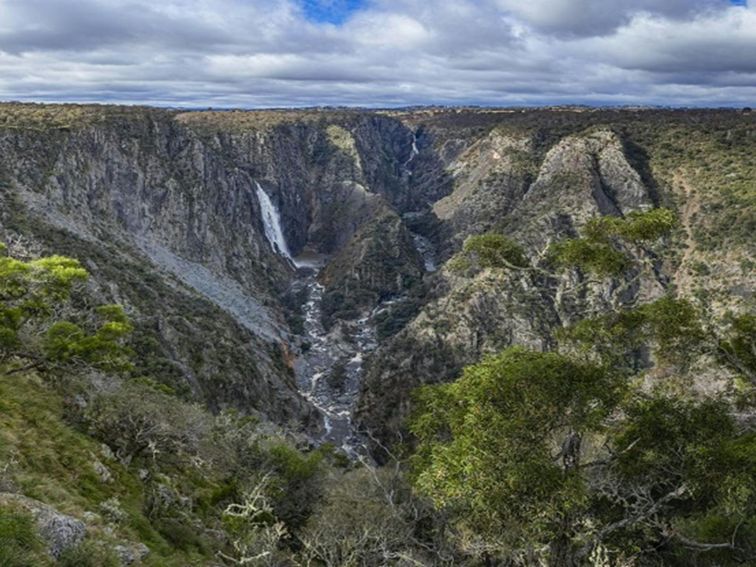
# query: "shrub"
{"points": [[495, 251]]}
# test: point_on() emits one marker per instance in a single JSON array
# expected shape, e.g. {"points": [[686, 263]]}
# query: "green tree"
{"points": [[491, 250], [559, 457], [40, 329], [681, 474], [504, 446], [602, 248], [542, 456]]}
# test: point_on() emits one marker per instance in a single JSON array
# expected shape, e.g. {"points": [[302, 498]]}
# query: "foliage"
{"points": [[255, 530], [528, 451], [499, 443], [66, 342], [30, 290], [648, 226], [137, 420], [597, 250], [368, 517], [737, 348], [20, 545], [688, 461], [672, 325], [295, 485], [598, 257], [493, 250], [88, 554], [35, 315]]}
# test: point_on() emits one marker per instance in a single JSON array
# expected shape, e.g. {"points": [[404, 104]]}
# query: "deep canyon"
{"points": [[218, 328], [309, 246]]}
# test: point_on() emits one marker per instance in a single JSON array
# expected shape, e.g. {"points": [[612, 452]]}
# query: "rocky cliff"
{"points": [[162, 206], [163, 209], [538, 178]]}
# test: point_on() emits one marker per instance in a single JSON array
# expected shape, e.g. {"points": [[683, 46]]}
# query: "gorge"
{"points": [[292, 277], [224, 203]]}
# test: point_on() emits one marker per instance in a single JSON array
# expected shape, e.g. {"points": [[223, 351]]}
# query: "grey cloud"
{"points": [[707, 45], [598, 17], [42, 25], [394, 52]]}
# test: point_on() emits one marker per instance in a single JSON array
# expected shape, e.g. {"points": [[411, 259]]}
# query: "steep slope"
{"points": [[166, 210], [538, 185]]}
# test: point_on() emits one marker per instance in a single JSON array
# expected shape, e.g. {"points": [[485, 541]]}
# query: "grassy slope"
{"points": [[46, 459]]}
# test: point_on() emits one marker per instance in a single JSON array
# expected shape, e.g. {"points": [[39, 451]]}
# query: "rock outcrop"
{"points": [[59, 531]]}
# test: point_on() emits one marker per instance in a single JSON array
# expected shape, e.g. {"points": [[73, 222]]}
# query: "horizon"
{"points": [[407, 108]]}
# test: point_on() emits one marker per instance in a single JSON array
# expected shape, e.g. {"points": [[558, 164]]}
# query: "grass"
{"points": [[20, 545], [47, 459]]}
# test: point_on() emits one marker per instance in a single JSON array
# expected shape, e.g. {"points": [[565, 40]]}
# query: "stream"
{"points": [[329, 369], [329, 366]]}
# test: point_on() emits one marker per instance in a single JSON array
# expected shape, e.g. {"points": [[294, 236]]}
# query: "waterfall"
{"points": [[272, 223], [413, 153]]}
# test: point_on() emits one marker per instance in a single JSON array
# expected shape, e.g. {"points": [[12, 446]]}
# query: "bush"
{"points": [[138, 421], [88, 554], [495, 251]]}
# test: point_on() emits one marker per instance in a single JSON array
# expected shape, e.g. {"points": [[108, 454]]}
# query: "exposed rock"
{"points": [[107, 452], [162, 207], [102, 471], [580, 177], [132, 553], [380, 261], [59, 531]]}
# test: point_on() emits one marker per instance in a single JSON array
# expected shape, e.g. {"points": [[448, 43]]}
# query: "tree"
{"points": [[139, 419], [254, 529], [542, 456], [39, 328], [504, 446], [556, 457], [681, 478]]}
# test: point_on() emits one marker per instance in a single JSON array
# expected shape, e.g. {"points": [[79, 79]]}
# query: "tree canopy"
{"points": [[40, 328], [565, 457]]}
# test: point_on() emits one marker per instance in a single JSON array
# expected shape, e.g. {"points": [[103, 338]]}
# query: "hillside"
{"points": [[277, 340]]}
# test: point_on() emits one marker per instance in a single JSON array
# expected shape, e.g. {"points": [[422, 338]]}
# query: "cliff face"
{"points": [[162, 208], [538, 186], [580, 177]]}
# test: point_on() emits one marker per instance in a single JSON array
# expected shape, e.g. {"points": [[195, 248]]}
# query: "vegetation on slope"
{"points": [[155, 480], [588, 454], [568, 458]]}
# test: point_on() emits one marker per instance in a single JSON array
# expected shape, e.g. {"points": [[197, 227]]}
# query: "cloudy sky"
{"points": [[252, 53]]}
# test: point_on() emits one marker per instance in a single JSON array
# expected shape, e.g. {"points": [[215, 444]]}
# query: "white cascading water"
{"points": [[413, 154], [338, 352], [272, 223], [324, 352]]}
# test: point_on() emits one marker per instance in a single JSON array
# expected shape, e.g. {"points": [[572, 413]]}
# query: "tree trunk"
{"points": [[561, 552]]}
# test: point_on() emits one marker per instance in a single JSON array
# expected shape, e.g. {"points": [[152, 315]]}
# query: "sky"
{"points": [[379, 53]]}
